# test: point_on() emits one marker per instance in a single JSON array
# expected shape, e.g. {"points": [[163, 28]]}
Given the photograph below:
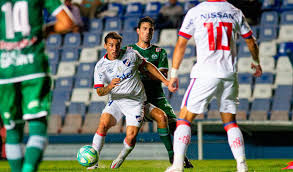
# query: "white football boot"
{"points": [[117, 163], [174, 169], [242, 166]]}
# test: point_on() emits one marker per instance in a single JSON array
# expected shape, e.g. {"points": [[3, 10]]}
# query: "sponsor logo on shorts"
{"points": [[139, 118]]}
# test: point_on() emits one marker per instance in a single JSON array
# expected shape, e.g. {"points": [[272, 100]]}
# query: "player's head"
{"points": [[112, 44], [145, 29]]}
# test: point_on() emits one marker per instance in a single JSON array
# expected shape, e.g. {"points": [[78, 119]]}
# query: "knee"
{"points": [[161, 117], [104, 127]]}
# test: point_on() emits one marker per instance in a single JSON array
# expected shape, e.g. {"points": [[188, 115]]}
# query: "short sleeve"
{"points": [[53, 6], [244, 28], [139, 59], [99, 77], [163, 60], [187, 28]]}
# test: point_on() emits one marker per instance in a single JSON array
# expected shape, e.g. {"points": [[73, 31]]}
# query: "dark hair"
{"points": [[146, 19], [112, 35]]}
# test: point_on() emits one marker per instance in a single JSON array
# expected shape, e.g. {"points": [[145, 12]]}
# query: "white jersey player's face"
{"points": [[113, 48], [145, 32]]}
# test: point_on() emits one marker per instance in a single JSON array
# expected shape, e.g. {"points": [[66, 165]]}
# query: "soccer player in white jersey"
{"points": [[119, 69], [215, 25]]}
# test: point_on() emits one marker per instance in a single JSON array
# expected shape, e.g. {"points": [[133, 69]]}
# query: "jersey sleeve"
{"points": [[163, 60], [53, 6], [99, 77], [139, 59], [244, 28], [187, 28]]}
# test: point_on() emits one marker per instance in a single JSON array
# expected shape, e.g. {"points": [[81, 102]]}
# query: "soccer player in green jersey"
{"points": [[24, 80], [153, 87]]}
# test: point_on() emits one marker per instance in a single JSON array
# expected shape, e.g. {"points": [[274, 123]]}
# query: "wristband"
{"points": [[174, 73], [255, 62]]}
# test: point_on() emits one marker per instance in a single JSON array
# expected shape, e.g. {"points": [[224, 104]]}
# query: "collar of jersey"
{"points": [[144, 48], [216, 0]]}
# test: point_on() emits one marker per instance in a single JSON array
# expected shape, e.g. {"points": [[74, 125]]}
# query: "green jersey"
{"points": [[158, 57], [22, 54]]}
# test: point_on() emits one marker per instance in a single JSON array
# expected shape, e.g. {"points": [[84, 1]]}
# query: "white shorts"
{"points": [[132, 109], [201, 90]]}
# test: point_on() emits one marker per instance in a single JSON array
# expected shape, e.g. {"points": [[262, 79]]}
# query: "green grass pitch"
{"points": [[260, 165]]}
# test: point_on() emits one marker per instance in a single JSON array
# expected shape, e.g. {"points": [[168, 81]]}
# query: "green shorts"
{"points": [[163, 104], [25, 100]]}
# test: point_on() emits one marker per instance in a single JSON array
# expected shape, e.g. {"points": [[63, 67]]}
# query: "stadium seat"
{"points": [[262, 91], [284, 78], [259, 109], [85, 70], [189, 4], [77, 109], [186, 65], [53, 68], [287, 5], [54, 124], [284, 65], [287, 18], [184, 80], [72, 40], [176, 101], [152, 9], [267, 33], [243, 109], [130, 24], [64, 83], [269, 18], [269, 4], [134, 9], [213, 112], [282, 102], [58, 108], [53, 55], [69, 55], [267, 63], [244, 91], [245, 78], [96, 98], [243, 50], [88, 55], [113, 24], [168, 37], [96, 107], [268, 48], [156, 35], [169, 50], [66, 69], [244, 65], [96, 25], [190, 51], [117, 7], [54, 41], [91, 39], [90, 123], [72, 124], [129, 38], [83, 82], [266, 78], [286, 33], [285, 48], [102, 53], [80, 95]]}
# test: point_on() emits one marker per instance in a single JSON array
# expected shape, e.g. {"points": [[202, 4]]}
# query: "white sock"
{"points": [[236, 142], [125, 151], [98, 142], [182, 136]]}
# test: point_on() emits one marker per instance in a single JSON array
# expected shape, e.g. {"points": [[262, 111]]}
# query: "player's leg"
{"points": [[134, 113], [228, 101], [195, 101], [10, 109], [36, 103], [160, 117]]}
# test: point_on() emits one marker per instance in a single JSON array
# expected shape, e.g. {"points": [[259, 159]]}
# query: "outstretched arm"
{"points": [[64, 22], [155, 72], [253, 48]]}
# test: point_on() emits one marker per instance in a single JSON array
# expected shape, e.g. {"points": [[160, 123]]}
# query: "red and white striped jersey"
{"points": [[215, 26]]}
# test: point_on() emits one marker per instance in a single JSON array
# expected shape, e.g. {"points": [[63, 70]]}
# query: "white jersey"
{"points": [[124, 67], [215, 25]]}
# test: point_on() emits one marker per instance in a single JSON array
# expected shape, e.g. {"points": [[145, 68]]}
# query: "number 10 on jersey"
{"points": [[215, 43]]}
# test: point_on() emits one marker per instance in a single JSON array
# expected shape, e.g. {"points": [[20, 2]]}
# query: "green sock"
{"points": [[35, 145], [166, 139], [13, 148]]}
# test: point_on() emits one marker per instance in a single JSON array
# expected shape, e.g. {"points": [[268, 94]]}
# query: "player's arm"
{"points": [[253, 48], [102, 91], [156, 73], [64, 23]]}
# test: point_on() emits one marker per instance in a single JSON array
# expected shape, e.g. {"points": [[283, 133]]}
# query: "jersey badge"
{"points": [[127, 62], [158, 49], [154, 56]]}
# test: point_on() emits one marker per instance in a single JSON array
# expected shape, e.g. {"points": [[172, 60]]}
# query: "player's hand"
{"points": [[173, 84], [257, 70], [114, 83]]}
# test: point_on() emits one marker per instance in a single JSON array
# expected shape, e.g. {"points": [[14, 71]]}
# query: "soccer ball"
{"points": [[87, 156]]}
